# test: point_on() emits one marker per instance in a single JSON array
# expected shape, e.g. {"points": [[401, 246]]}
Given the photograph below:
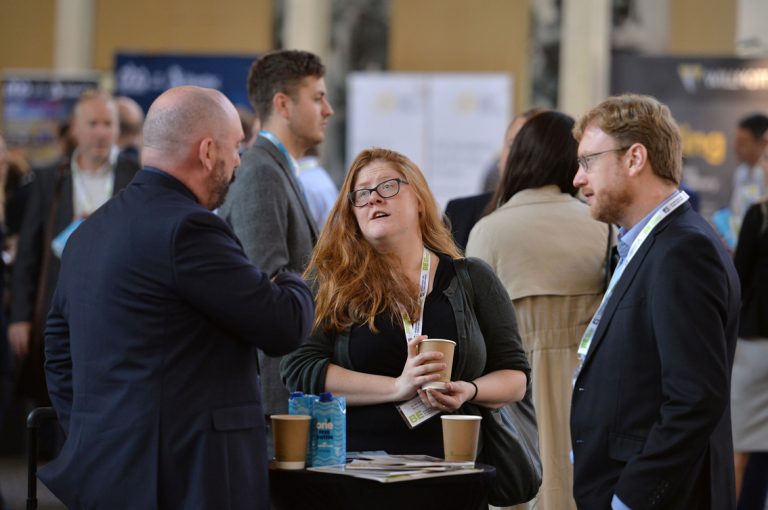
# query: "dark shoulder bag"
{"points": [[509, 436]]}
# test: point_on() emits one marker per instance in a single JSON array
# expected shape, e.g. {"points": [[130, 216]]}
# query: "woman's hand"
{"points": [[450, 399], [494, 390], [419, 369]]}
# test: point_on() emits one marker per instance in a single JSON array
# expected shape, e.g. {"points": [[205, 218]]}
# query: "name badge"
{"points": [[415, 412], [60, 241]]}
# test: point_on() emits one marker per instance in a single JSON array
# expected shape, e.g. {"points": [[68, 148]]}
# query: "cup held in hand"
{"points": [[291, 433], [446, 347]]}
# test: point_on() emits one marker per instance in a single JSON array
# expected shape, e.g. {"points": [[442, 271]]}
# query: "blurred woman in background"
{"points": [[749, 383], [550, 254]]}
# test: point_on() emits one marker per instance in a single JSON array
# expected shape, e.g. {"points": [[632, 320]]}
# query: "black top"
{"points": [[751, 261], [380, 427]]}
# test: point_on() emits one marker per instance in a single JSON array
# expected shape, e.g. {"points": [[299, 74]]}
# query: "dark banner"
{"points": [[33, 109], [143, 77], [707, 96]]}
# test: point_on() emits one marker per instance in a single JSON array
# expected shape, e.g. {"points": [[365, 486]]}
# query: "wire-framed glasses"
{"points": [[584, 160]]}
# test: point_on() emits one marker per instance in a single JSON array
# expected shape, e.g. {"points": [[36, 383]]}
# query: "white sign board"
{"points": [[451, 125]]}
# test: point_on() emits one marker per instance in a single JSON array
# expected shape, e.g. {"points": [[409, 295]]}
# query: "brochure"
{"points": [[398, 468]]}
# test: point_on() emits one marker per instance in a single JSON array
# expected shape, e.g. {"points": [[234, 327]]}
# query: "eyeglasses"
{"points": [[585, 159], [386, 189]]}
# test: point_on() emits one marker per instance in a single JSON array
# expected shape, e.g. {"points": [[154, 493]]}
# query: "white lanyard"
{"points": [[87, 207], [662, 213], [412, 330]]}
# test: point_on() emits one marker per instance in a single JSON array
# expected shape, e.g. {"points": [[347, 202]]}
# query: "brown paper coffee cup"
{"points": [[291, 434], [446, 347], [460, 436]]}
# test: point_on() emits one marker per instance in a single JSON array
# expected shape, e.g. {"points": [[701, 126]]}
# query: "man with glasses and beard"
{"points": [[150, 341], [650, 415]]}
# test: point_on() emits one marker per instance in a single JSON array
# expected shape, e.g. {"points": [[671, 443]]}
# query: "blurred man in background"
{"points": [[60, 196], [266, 206], [130, 117]]}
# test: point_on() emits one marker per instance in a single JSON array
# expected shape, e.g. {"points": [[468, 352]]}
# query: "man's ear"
{"points": [[638, 158], [207, 153], [281, 104]]}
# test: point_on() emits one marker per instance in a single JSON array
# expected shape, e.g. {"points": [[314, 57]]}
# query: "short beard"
{"points": [[611, 207], [220, 187]]}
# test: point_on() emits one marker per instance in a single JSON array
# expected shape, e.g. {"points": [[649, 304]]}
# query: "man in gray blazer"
{"points": [[266, 206]]}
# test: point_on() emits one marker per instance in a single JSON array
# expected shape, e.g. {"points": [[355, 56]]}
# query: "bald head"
{"points": [[131, 116], [194, 134], [180, 118]]}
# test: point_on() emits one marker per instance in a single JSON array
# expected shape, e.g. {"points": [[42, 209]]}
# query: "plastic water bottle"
{"points": [[299, 403], [329, 432]]}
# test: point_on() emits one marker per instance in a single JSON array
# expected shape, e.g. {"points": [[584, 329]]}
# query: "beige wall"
{"points": [[457, 35], [26, 33], [426, 35], [230, 26], [702, 27], [223, 26]]}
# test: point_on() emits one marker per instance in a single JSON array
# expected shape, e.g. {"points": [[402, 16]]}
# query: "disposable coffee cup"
{"points": [[460, 436], [446, 347], [291, 434]]}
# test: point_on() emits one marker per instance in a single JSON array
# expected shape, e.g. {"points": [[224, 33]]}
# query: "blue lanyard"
{"points": [[276, 141]]}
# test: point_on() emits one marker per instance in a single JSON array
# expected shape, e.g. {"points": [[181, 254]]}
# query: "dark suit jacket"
{"points": [[149, 356], [267, 210], [26, 269], [650, 416], [463, 213]]}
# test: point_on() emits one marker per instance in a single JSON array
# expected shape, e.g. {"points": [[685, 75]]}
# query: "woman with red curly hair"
{"points": [[383, 246]]}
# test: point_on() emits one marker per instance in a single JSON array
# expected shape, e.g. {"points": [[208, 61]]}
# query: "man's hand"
{"points": [[19, 335]]}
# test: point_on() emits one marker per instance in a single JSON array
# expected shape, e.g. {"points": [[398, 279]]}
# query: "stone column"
{"points": [[307, 26], [751, 36], [585, 52], [73, 35]]}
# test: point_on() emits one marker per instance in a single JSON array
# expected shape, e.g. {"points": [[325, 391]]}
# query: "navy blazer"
{"points": [[650, 416], [150, 356]]}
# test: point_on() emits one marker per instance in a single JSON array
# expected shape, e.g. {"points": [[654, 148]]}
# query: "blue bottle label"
{"points": [[303, 405], [329, 432]]}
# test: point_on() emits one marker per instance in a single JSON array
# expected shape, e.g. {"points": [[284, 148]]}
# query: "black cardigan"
{"points": [[488, 338]]}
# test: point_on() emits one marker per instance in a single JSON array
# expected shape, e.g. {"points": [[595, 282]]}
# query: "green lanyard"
{"points": [[413, 330], [589, 333]]}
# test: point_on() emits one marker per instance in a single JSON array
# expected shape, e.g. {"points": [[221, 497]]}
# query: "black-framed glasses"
{"points": [[584, 160], [385, 189]]}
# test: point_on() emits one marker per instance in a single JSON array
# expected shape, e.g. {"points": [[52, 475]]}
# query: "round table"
{"points": [[303, 489]]}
